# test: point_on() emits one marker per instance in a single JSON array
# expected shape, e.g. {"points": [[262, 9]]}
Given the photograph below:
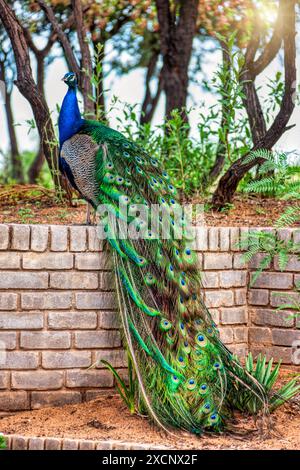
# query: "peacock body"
{"points": [[187, 377]]}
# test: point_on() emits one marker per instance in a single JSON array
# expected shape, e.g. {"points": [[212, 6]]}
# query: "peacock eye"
{"points": [[126, 154]]}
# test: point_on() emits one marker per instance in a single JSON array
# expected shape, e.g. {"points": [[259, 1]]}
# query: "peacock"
{"points": [[187, 378]]}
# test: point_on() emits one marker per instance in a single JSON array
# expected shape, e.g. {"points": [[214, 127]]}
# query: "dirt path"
{"points": [[107, 418]]}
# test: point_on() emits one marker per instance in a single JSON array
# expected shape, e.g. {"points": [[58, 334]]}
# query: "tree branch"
{"points": [[70, 56]]}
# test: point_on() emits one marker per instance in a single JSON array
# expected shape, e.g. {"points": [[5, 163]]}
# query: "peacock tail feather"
{"points": [[187, 377]]}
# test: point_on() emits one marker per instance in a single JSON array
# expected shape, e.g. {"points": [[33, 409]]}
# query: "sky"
{"points": [[130, 88]]}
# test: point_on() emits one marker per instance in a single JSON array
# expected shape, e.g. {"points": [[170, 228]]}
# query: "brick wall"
{"points": [[57, 314]]}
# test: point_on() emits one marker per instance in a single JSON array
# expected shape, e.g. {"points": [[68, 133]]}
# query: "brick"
{"points": [[284, 234], [45, 340], [201, 238], [238, 261], [277, 353], [235, 315], [14, 401], [36, 443], [59, 398], [20, 360], [107, 281], [59, 238], [23, 280], [19, 443], [282, 298], [240, 335], [296, 239], [39, 237], [274, 281], [4, 237], [8, 339], [95, 300], [258, 297], [8, 301], [256, 261], [52, 443], [109, 320], [72, 320], [240, 296], [66, 359], [226, 335], [87, 445], [217, 261], [78, 239], [10, 260], [260, 335], [97, 339], [20, 237], [94, 244], [240, 350], [210, 279], [21, 321], [285, 337], [48, 261], [92, 378], [219, 298], [234, 238], [233, 278], [46, 300], [224, 233], [38, 380], [70, 444], [4, 379], [117, 358], [244, 234], [74, 280], [92, 261], [213, 239], [272, 318], [215, 314], [293, 264]]}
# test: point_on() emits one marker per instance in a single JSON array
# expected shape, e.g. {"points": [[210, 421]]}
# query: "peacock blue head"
{"points": [[70, 79]]}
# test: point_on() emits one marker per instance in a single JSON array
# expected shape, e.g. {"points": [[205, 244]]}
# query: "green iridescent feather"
{"points": [[187, 376]]}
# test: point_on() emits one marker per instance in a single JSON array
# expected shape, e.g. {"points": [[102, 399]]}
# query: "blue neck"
{"points": [[69, 121]]}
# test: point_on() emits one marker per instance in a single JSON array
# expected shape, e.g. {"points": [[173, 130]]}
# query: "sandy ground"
{"points": [[108, 418]]}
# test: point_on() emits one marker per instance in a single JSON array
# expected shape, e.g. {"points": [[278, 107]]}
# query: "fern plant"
{"points": [[292, 302], [276, 176], [269, 245], [267, 376]]}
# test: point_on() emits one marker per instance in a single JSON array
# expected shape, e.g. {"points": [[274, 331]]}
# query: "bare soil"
{"points": [[107, 418], [36, 205]]}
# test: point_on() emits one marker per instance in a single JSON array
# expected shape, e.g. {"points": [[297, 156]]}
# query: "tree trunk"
{"points": [[29, 90], [39, 159], [17, 170], [176, 39], [150, 102], [229, 182]]}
